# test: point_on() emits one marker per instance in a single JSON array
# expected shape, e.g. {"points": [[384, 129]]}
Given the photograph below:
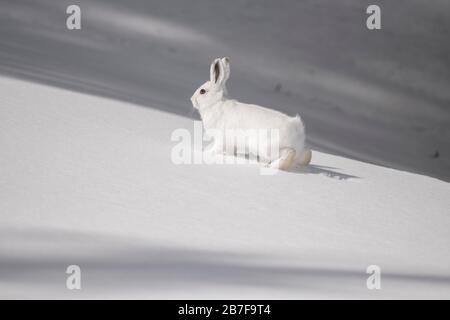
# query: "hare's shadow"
{"points": [[313, 169], [323, 170]]}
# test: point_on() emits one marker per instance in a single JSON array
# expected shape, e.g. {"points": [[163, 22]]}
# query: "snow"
{"points": [[88, 180]]}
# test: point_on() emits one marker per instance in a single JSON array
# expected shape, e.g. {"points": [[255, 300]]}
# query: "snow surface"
{"points": [[88, 180]]}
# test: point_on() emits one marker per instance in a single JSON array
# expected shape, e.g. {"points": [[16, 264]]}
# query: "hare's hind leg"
{"points": [[284, 162], [305, 157]]}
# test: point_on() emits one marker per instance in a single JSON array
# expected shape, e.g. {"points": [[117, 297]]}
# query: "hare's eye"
{"points": [[202, 91]]}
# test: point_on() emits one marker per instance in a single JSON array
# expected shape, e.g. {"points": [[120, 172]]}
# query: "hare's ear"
{"points": [[216, 72], [226, 68]]}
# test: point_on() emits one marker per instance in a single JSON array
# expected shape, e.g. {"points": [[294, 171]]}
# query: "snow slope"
{"points": [[87, 180]]}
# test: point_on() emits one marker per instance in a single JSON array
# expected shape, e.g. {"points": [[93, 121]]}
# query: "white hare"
{"points": [[219, 112]]}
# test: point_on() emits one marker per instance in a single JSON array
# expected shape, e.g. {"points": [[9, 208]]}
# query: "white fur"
{"points": [[221, 113]]}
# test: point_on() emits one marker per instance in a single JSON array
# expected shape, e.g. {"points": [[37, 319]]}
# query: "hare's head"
{"points": [[213, 90]]}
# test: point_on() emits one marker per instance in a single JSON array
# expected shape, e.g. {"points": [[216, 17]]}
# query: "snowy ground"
{"points": [[87, 180]]}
